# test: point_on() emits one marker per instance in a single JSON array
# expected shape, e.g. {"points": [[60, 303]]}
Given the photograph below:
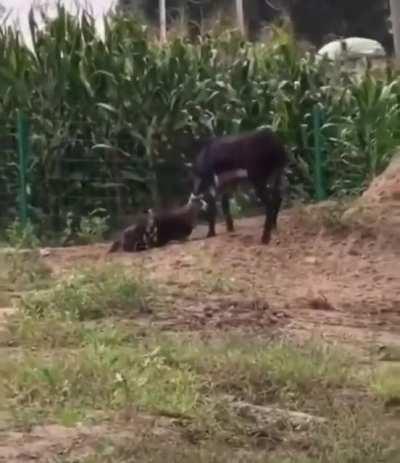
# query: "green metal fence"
{"points": [[9, 174], [320, 186]]}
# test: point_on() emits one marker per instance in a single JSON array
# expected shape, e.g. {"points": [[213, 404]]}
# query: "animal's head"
{"points": [[197, 201]]}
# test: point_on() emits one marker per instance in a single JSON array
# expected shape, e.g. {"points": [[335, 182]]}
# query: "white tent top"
{"points": [[357, 47]]}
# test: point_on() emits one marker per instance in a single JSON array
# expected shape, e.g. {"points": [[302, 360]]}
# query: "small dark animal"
{"points": [[256, 157], [136, 237], [157, 228]]}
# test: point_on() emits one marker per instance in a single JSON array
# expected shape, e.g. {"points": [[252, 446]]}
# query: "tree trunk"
{"points": [[163, 21]]}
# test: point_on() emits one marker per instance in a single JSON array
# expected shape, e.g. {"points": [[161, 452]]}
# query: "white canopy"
{"points": [[356, 47]]}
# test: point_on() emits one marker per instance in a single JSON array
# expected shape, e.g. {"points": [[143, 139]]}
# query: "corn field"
{"points": [[113, 118]]}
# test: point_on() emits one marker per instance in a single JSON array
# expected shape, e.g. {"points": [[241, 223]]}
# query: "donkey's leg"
{"points": [[261, 191], [225, 198], [210, 199], [274, 197]]}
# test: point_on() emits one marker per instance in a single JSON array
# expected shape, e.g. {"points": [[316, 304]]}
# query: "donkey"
{"points": [[258, 158], [157, 228]]}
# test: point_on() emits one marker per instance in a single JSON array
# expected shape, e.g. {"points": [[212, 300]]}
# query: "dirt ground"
{"points": [[346, 289]]}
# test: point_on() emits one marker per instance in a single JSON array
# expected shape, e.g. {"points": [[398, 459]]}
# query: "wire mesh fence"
{"points": [[85, 174], [9, 174]]}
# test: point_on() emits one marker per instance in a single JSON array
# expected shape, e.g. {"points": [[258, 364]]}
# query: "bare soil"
{"points": [[344, 287]]}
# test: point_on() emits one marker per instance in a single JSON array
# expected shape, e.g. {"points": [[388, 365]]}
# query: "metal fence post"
{"points": [[23, 150], [319, 177]]}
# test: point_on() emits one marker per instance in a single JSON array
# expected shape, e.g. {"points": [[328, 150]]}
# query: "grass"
{"points": [[98, 378], [263, 372], [105, 370], [80, 355], [23, 270], [151, 451], [49, 334], [88, 295], [386, 384], [164, 375]]}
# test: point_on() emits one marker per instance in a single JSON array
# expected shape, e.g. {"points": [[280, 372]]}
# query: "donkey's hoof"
{"points": [[266, 239], [211, 235]]}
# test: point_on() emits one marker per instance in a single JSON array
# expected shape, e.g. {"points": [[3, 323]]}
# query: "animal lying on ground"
{"points": [[157, 228], [136, 237], [258, 158]]}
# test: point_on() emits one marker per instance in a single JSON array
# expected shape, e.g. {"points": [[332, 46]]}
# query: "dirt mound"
{"points": [[378, 209], [386, 187]]}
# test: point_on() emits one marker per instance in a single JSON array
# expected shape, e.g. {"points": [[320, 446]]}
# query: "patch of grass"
{"points": [[386, 384], [215, 282], [164, 374], [390, 353], [150, 449], [346, 441], [260, 373], [99, 378], [20, 236], [358, 436], [88, 295], [161, 375], [24, 270], [30, 333]]}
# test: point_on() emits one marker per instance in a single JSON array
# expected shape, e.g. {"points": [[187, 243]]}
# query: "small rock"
{"points": [[310, 260]]}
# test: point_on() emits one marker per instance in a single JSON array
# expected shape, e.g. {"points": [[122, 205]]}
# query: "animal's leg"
{"points": [[210, 199], [261, 192], [274, 195], [227, 212]]}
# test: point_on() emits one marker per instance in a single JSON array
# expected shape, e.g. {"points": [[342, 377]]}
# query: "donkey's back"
{"points": [[258, 153]]}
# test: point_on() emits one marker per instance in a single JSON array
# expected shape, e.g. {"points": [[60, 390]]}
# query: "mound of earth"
{"points": [[378, 208]]}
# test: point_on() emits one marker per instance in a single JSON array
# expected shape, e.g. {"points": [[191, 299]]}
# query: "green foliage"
{"points": [[113, 118], [24, 270], [90, 229], [20, 236], [101, 377], [386, 384], [279, 371]]}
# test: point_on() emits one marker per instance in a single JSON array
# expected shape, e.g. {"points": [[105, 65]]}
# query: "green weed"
{"points": [[89, 294], [386, 384]]}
